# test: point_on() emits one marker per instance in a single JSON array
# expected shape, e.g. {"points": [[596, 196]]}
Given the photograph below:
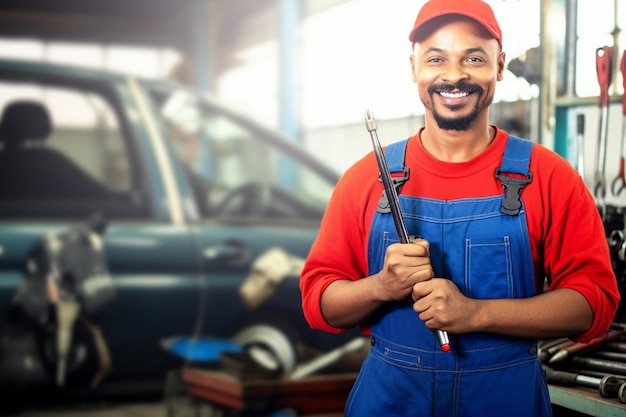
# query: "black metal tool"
{"points": [[617, 346], [570, 379], [577, 348], [604, 67], [613, 356], [619, 183], [580, 141], [609, 386], [394, 203], [547, 348], [602, 365]]}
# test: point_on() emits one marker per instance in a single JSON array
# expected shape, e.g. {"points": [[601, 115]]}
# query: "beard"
{"points": [[460, 122], [456, 123]]}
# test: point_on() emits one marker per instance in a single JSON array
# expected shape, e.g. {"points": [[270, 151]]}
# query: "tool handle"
{"points": [[580, 143], [567, 379], [385, 176], [604, 67], [390, 191], [623, 69], [580, 124], [394, 204]]}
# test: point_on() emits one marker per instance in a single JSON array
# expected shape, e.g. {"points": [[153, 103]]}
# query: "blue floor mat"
{"points": [[204, 349]]}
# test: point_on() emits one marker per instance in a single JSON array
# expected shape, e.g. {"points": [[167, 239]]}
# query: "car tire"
{"points": [[270, 343]]}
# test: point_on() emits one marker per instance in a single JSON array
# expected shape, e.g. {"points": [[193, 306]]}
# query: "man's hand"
{"points": [[404, 266], [562, 312], [347, 303], [442, 306]]}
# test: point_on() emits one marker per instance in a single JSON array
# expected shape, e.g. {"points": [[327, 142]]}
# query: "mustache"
{"points": [[462, 85]]}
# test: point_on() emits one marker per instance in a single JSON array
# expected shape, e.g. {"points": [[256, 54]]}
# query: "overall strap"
{"points": [[514, 173], [394, 155]]}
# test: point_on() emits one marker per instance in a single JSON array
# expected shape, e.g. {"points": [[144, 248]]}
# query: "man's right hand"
{"points": [[347, 303], [404, 266]]}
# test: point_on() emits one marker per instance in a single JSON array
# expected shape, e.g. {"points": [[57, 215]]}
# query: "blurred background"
{"points": [[164, 166], [309, 68]]}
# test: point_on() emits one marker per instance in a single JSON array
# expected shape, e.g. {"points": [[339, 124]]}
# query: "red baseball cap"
{"points": [[477, 10]]}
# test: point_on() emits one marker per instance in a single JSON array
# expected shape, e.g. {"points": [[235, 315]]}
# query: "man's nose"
{"points": [[454, 72]]}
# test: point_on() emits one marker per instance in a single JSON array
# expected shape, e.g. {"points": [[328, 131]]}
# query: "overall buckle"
{"points": [[513, 186]]}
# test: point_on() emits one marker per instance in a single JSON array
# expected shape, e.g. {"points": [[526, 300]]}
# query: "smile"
{"points": [[453, 95]]}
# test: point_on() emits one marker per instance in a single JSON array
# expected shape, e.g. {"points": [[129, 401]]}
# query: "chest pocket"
{"points": [[488, 268]]}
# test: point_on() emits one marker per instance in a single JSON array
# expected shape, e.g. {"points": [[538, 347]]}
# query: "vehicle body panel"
{"points": [[176, 270]]}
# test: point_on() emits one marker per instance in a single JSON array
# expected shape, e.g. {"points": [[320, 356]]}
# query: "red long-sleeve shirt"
{"points": [[566, 232]]}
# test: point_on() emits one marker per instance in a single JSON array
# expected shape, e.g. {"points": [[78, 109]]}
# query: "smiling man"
{"points": [[494, 218]]}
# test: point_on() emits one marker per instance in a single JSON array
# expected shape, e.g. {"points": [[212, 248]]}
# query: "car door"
{"points": [[91, 122], [261, 200]]}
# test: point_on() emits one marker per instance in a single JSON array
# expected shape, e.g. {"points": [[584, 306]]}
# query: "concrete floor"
{"points": [[182, 408], [146, 409]]}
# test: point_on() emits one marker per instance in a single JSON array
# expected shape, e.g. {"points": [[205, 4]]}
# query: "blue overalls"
{"points": [[487, 254]]}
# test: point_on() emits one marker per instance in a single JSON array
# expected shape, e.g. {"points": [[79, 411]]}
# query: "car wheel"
{"points": [[268, 345]]}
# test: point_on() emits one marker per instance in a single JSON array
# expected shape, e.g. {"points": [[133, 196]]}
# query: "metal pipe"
{"points": [[614, 356], [327, 359], [578, 348], [609, 386], [617, 346], [603, 365]]}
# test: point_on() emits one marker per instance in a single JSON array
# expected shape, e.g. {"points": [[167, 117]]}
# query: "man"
{"points": [[481, 254]]}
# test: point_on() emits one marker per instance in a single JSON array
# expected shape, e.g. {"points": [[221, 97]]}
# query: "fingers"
{"points": [[409, 262], [418, 249], [440, 305], [423, 304], [423, 244], [405, 264]]}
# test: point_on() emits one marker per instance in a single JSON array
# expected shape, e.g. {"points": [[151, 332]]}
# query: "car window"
{"points": [[233, 171], [62, 153]]}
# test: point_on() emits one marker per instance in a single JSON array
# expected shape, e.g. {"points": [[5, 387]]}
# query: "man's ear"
{"points": [[413, 74], [501, 65]]}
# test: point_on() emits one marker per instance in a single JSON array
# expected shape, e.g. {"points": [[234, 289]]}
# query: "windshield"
{"points": [[250, 173]]}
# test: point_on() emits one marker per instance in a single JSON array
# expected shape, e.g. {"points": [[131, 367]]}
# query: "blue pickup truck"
{"points": [[193, 197]]}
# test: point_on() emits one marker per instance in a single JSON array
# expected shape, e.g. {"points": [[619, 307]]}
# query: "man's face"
{"points": [[456, 68]]}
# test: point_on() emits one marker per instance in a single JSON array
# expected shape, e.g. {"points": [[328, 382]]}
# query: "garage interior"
{"points": [[563, 103]]}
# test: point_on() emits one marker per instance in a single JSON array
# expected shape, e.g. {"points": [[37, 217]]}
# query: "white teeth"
{"points": [[453, 95]]}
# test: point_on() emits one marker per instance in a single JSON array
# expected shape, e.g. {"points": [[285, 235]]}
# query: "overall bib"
{"points": [[484, 249]]}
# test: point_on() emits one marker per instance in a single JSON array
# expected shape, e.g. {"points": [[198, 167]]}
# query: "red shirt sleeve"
{"points": [[568, 238], [339, 251]]}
